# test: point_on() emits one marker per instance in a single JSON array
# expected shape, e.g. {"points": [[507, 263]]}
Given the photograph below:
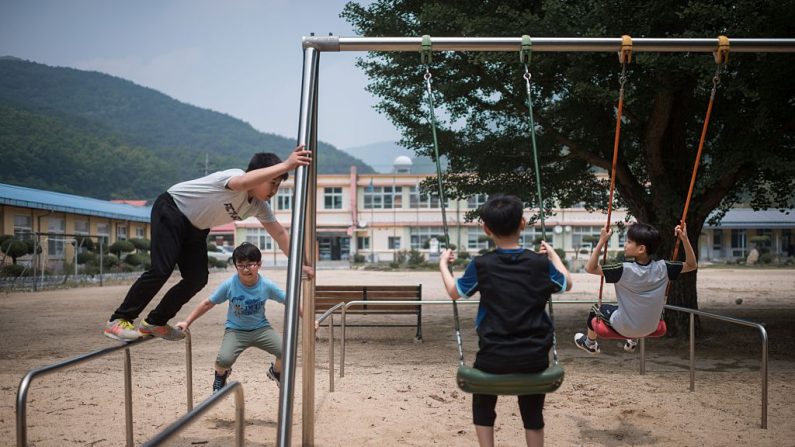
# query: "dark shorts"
{"points": [[606, 310], [531, 406]]}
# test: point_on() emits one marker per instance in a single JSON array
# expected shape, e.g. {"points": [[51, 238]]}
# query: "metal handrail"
{"points": [[762, 332], [692, 312], [27, 380], [182, 423]]}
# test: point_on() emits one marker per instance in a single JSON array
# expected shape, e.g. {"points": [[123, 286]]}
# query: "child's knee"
{"points": [[224, 361]]}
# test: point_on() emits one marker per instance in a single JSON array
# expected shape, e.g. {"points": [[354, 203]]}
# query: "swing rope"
{"points": [[524, 57], [625, 57], [426, 59], [721, 58], [470, 379]]}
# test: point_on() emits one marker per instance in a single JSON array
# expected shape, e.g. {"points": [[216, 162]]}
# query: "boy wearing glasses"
{"points": [[246, 324]]}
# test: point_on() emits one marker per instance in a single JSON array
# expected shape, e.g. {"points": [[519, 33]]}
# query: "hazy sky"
{"points": [[239, 57]]}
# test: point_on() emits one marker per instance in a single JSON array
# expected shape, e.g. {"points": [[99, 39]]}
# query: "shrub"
{"points": [[464, 255], [87, 257], [416, 258], [133, 259], [14, 248], [109, 261], [12, 270], [121, 246], [766, 258], [214, 262], [358, 259], [141, 244]]}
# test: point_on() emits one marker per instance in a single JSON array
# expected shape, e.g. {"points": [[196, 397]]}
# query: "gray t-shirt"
{"points": [[207, 202], [640, 291]]}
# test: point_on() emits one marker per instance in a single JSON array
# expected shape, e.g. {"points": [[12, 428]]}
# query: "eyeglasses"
{"points": [[250, 266]]}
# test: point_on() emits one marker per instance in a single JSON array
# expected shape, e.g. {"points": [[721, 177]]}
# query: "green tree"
{"points": [[14, 248], [481, 98], [121, 246]]}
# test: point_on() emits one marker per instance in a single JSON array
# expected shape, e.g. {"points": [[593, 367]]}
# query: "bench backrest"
{"points": [[327, 296]]}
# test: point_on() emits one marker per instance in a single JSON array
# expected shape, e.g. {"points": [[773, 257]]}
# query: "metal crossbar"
{"points": [[183, 422], [763, 367], [27, 381]]}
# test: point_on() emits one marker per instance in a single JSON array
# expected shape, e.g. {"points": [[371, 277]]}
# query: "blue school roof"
{"points": [[68, 203], [748, 218]]}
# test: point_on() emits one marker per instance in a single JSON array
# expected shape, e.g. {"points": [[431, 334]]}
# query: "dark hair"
{"points": [[502, 214], [644, 234], [246, 252], [264, 160]]}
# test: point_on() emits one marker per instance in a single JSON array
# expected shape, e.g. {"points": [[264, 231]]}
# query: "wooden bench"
{"points": [[327, 296]]}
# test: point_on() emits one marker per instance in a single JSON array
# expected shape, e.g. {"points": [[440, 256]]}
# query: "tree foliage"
{"points": [[481, 103]]}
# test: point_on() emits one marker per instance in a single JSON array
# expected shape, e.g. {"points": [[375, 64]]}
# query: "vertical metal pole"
{"points": [[642, 342], [36, 259], [763, 372], [128, 410], [308, 339], [240, 417], [692, 352], [101, 240], [331, 353], [189, 369], [342, 343], [295, 261]]}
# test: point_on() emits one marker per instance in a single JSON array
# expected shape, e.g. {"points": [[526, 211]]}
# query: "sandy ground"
{"points": [[398, 392]]}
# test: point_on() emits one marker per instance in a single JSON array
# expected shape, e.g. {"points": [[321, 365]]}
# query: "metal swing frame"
{"points": [[302, 234]]}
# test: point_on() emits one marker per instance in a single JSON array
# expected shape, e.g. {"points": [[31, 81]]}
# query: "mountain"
{"points": [[98, 135], [381, 156]]}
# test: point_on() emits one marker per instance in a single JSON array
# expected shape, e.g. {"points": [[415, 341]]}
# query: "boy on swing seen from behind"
{"points": [[640, 285], [515, 333]]}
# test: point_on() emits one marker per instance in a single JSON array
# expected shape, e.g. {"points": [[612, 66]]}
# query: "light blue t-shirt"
{"points": [[247, 304]]}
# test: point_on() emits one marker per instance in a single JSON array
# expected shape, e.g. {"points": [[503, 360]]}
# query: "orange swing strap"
{"points": [[624, 57], [721, 57]]}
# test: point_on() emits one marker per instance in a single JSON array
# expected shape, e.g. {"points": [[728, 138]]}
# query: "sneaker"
{"points": [[582, 342], [273, 375], [220, 380], [165, 332], [630, 345], [122, 330]]}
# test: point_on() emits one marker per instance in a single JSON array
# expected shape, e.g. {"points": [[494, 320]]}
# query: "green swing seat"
{"points": [[472, 380]]}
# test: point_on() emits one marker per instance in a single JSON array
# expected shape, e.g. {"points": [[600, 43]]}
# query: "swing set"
{"points": [[302, 234]]}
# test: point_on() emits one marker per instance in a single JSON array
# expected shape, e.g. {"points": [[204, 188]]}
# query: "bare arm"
{"points": [[197, 312], [251, 179], [690, 256], [447, 277], [557, 262], [592, 266]]}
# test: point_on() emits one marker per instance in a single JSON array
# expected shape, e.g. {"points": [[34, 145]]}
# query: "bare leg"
{"points": [[220, 371], [277, 366], [534, 438], [485, 435], [591, 335]]}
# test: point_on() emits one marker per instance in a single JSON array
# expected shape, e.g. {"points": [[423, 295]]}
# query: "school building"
{"points": [[56, 219]]}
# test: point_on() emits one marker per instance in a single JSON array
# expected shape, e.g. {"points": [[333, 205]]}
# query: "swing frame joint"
{"points": [[625, 53], [526, 51], [722, 52], [426, 50]]}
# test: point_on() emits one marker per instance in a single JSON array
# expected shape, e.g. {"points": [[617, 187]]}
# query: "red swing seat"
{"points": [[603, 330]]}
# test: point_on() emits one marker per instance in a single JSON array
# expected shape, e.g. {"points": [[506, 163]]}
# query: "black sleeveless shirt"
{"points": [[515, 331]]}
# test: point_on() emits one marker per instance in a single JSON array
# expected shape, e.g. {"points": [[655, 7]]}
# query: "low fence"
{"points": [[343, 306]]}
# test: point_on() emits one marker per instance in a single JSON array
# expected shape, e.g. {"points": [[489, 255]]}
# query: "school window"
{"points": [[420, 236], [260, 238], [81, 227], [103, 230], [419, 200], [581, 232], [477, 239], [528, 237], [121, 232], [383, 197], [764, 244], [284, 199], [738, 242], [717, 240], [55, 242], [477, 201], [394, 242], [332, 198], [363, 242], [140, 232], [22, 226]]}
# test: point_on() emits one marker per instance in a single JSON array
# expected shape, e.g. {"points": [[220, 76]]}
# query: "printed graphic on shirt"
{"points": [[230, 209], [242, 306]]}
